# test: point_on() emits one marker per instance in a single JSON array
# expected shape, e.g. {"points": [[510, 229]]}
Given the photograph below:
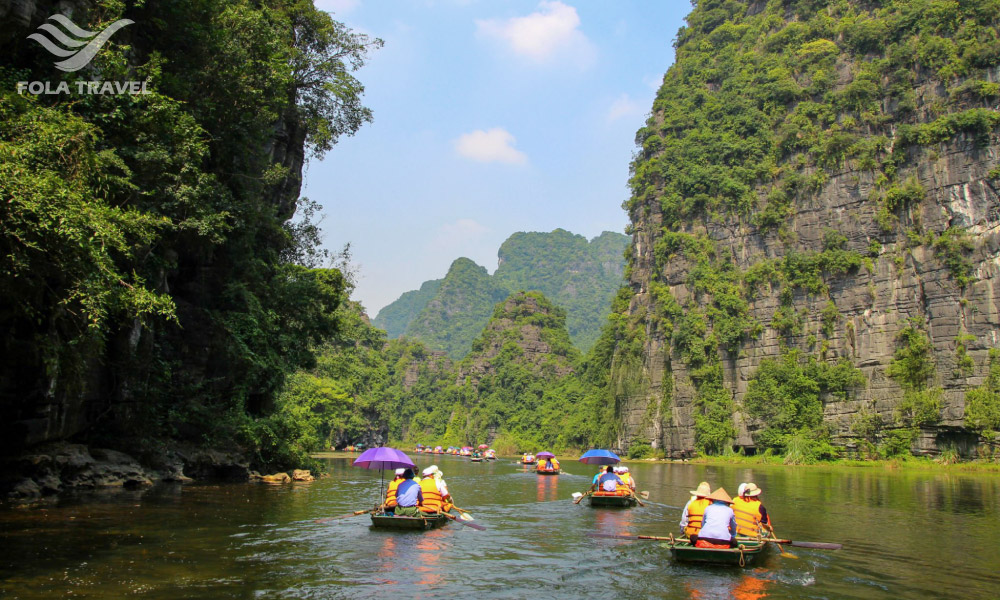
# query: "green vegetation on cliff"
{"points": [[765, 103], [153, 285], [578, 275]]}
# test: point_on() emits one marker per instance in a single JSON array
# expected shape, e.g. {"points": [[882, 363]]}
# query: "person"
{"points": [[446, 500], [432, 500], [718, 528], [409, 496], [695, 509], [608, 482], [390, 496], [751, 516], [626, 478]]}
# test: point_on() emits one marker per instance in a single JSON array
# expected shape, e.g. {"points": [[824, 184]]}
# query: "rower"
{"points": [[751, 516], [718, 529], [694, 510], [409, 496], [432, 500]]}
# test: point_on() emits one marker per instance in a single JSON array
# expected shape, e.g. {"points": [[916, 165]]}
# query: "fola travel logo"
{"points": [[78, 47]]}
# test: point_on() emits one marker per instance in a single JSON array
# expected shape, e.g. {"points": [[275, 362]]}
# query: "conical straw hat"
{"points": [[720, 494]]}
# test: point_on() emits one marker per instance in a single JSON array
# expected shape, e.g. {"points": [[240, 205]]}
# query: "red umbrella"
{"points": [[483, 446]]}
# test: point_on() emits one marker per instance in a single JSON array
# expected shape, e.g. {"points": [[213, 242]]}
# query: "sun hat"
{"points": [[720, 495], [431, 470], [752, 490], [624, 469], [739, 491], [703, 490], [400, 471]]}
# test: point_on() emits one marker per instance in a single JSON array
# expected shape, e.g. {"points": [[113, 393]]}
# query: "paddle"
{"points": [[466, 523], [634, 495], [774, 539], [577, 496], [353, 514], [815, 545], [465, 514]]}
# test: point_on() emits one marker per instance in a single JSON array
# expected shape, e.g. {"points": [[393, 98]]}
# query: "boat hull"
{"points": [[609, 501], [749, 553], [544, 472], [383, 521]]}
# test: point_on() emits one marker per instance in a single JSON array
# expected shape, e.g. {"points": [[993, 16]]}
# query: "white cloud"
{"points": [[337, 7], [624, 106], [495, 145], [552, 32], [459, 235]]}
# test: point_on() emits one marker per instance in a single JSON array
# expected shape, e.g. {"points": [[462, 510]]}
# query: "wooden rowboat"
{"points": [[611, 500], [547, 471], [745, 554], [382, 520]]}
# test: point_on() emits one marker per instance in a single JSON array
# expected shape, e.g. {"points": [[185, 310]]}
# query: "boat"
{"points": [[547, 471], [747, 552], [384, 521], [476, 459], [612, 500]]}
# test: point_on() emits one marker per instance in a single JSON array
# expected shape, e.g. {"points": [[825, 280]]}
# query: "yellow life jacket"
{"points": [[747, 516], [696, 511], [626, 479], [432, 497], [390, 496]]}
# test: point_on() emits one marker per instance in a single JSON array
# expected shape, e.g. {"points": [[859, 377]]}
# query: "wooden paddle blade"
{"points": [[466, 523], [645, 495], [817, 545]]}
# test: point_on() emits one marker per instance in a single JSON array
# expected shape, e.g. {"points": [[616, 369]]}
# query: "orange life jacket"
{"points": [[748, 520], [390, 496], [432, 497], [696, 511]]}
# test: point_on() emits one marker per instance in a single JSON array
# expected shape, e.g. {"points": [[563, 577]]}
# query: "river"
{"points": [[906, 534]]}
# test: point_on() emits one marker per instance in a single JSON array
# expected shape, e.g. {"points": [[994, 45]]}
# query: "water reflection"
{"points": [[262, 541]]}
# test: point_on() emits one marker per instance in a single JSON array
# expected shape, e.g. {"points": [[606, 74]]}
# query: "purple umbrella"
{"points": [[599, 457], [545, 455], [383, 458]]}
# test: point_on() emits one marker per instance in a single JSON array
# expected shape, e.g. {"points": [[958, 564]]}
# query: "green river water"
{"points": [[906, 535]]}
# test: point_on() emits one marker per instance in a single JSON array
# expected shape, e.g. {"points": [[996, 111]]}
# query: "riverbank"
{"points": [[910, 463]]}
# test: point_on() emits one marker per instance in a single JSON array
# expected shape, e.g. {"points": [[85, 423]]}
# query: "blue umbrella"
{"points": [[599, 457]]}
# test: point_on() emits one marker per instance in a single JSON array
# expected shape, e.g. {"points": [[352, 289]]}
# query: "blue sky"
{"points": [[489, 118]]}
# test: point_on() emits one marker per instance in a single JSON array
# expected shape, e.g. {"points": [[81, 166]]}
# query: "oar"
{"points": [[776, 541], [577, 496], [655, 538], [465, 514], [353, 514], [634, 495], [814, 545], [466, 523]]}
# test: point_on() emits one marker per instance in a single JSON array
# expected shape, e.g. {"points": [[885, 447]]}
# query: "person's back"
{"points": [[432, 495], [609, 482], [718, 527], [408, 497], [390, 495], [695, 513], [751, 516]]}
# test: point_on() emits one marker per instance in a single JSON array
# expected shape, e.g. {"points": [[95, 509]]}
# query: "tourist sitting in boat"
{"points": [[446, 500], [550, 464], [432, 499], [694, 510], [626, 477], [609, 481], [751, 516], [718, 528], [409, 496], [390, 496]]}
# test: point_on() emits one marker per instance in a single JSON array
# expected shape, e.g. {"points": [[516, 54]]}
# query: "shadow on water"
{"points": [[906, 535]]}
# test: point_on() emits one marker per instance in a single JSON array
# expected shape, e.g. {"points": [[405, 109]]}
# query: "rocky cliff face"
{"points": [[902, 266]]}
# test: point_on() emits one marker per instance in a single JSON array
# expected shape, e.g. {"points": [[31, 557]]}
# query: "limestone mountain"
{"points": [[816, 231], [578, 275], [458, 311], [394, 318], [575, 274]]}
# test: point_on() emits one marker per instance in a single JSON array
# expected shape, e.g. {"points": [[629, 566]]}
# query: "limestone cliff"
{"points": [[814, 177]]}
